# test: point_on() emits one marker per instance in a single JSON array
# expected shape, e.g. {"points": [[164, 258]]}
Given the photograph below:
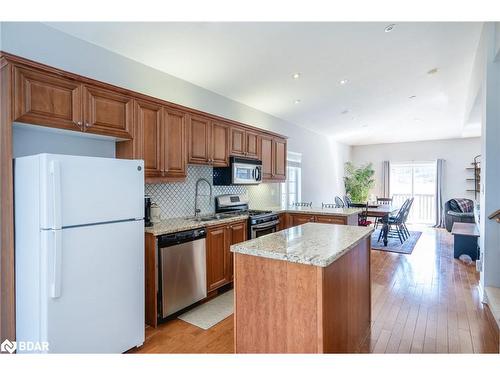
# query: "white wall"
{"points": [[322, 158], [490, 122], [30, 140], [458, 154]]}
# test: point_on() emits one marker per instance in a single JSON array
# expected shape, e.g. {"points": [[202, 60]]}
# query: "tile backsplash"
{"points": [[176, 199]]}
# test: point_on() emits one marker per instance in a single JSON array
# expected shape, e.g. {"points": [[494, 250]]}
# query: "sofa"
{"points": [[458, 210]]}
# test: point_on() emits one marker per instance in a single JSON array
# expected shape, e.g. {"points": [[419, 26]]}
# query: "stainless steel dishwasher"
{"points": [[182, 275]]}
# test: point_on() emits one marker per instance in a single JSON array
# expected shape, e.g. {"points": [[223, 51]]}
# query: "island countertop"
{"points": [[312, 243]]}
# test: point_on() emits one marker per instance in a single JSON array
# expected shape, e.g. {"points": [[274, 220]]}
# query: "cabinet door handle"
{"points": [[87, 125], [79, 124]]}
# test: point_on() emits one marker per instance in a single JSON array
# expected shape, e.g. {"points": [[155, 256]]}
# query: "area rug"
{"points": [[394, 245], [212, 312]]}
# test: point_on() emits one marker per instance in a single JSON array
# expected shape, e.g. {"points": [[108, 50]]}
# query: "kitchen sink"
{"points": [[210, 217]]}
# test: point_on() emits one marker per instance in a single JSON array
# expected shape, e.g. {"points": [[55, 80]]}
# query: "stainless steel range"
{"points": [[259, 222]]}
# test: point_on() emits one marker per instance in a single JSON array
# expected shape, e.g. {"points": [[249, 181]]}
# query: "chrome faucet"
{"points": [[196, 209]]}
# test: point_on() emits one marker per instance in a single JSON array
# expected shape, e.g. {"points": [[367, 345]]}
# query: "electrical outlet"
{"points": [[479, 265]]}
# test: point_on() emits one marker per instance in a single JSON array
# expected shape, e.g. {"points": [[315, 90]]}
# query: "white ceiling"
{"points": [[253, 63]]}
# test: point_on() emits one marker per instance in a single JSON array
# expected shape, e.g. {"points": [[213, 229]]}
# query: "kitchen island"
{"points": [[303, 290]]}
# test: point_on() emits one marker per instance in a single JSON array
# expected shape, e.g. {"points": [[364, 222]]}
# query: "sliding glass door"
{"points": [[417, 180]]}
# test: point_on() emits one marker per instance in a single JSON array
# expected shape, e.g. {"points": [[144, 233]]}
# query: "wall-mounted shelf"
{"points": [[476, 168]]}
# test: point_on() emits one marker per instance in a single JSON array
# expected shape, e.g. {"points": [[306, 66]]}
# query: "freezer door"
{"points": [[77, 190], [93, 292]]}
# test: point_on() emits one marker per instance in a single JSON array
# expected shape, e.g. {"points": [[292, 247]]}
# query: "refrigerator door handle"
{"points": [[56, 266], [55, 173]]}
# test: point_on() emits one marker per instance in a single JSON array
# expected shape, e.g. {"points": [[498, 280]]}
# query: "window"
{"points": [[291, 189], [417, 180]]}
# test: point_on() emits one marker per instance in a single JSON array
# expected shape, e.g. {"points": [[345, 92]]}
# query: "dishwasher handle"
{"points": [[173, 239]]}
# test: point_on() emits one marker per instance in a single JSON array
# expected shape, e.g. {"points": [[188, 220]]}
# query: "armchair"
{"points": [[458, 210]]}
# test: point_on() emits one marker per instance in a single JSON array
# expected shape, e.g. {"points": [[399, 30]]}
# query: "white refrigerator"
{"points": [[79, 253]]}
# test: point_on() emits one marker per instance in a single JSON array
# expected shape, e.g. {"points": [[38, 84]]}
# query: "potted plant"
{"points": [[358, 181]]}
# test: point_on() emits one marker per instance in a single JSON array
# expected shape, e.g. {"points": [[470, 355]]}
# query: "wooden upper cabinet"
{"points": [[252, 149], [47, 100], [243, 142], [266, 154], [199, 140], [279, 159], [174, 147], [273, 155], [237, 141], [148, 137], [108, 112], [220, 144]]}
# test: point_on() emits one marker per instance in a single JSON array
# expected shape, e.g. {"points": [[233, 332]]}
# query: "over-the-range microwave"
{"points": [[241, 171]]}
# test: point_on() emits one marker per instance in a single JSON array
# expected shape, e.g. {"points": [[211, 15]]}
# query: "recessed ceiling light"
{"points": [[389, 28], [296, 75], [297, 101], [433, 71], [343, 81], [412, 97]]}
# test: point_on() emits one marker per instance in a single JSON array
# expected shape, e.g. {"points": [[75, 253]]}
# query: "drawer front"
{"points": [[330, 219]]}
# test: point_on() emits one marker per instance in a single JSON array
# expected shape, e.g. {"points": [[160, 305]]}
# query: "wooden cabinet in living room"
{"points": [[219, 257]]}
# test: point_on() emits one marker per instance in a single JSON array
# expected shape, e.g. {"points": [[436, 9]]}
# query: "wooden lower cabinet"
{"points": [[284, 307], [326, 219], [283, 218], [295, 219], [299, 219], [219, 257]]}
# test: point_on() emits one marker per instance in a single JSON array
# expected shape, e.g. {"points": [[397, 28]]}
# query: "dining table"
{"points": [[383, 211]]}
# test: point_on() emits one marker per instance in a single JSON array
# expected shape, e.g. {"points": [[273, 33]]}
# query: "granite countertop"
{"points": [[186, 223], [180, 224], [312, 243], [314, 210]]}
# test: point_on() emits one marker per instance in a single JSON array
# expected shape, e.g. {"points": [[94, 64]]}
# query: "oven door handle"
{"points": [[266, 225]]}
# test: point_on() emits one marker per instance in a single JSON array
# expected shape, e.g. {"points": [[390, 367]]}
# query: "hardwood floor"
{"points": [[426, 302]]}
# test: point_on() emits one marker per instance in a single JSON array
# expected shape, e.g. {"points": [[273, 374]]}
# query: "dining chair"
{"points": [[363, 217], [382, 200], [395, 224], [347, 201], [408, 208], [328, 205], [302, 204], [339, 202]]}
